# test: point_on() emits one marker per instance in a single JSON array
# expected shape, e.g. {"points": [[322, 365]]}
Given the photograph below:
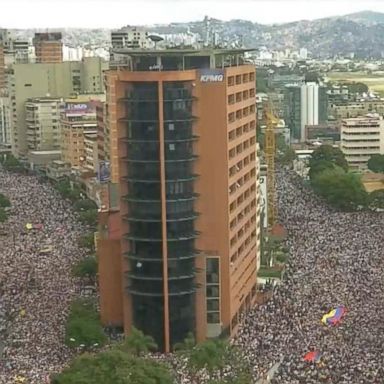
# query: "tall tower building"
{"points": [[309, 106], [48, 47], [305, 104], [181, 255]]}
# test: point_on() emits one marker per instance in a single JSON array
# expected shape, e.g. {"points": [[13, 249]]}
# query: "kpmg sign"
{"points": [[211, 76]]}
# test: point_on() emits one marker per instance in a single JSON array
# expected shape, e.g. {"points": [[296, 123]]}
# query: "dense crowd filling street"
{"points": [[335, 260], [35, 287]]}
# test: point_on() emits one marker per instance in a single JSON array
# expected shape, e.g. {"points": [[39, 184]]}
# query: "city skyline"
{"points": [[119, 12]]}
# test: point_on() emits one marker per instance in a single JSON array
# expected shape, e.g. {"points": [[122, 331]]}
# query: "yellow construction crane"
{"points": [[270, 152]]}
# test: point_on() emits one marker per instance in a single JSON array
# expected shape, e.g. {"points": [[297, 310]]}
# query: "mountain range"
{"points": [[358, 33]]}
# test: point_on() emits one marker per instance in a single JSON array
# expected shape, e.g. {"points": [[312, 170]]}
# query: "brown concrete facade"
{"points": [[225, 127], [48, 47]]}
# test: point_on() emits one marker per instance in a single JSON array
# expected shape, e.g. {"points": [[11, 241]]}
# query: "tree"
{"points": [[3, 215], [376, 163], [187, 345], [83, 326], [328, 153], [64, 188], [321, 166], [113, 367], [342, 190], [84, 205], [214, 356], [89, 217], [86, 268], [211, 355], [87, 241], [137, 343], [11, 163], [4, 201], [357, 87], [376, 199], [288, 156]]}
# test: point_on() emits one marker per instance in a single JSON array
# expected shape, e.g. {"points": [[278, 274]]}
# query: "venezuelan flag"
{"points": [[333, 317]]}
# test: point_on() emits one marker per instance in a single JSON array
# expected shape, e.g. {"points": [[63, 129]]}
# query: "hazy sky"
{"points": [[116, 13]]}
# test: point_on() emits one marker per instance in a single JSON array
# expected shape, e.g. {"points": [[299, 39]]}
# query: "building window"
{"points": [[213, 305], [212, 291], [213, 317], [171, 147]]}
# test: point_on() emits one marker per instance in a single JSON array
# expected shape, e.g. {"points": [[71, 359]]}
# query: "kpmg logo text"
{"points": [[211, 76]]}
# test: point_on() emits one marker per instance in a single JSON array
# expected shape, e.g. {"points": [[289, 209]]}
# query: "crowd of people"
{"points": [[336, 259], [38, 246]]}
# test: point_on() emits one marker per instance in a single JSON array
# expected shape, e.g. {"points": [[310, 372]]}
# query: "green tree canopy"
{"points": [[86, 268], [288, 156], [341, 190], [357, 87], [11, 163], [4, 201], [376, 199], [187, 345], [328, 153], [213, 356], [64, 187], [113, 367], [88, 241], [83, 325], [3, 215], [376, 163], [89, 217], [84, 205], [321, 166], [137, 343]]}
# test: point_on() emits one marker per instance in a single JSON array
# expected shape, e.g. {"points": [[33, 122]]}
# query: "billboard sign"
{"points": [[211, 75], [80, 108], [104, 171]]}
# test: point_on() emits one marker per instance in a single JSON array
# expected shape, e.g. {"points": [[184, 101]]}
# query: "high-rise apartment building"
{"points": [[305, 104], [78, 120], [2, 69], [48, 47], [57, 80], [42, 116], [181, 255], [15, 50], [5, 122], [361, 138]]}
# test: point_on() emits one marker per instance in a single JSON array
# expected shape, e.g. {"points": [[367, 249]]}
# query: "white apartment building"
{"points": [[309, 106], [5, 122], [361, 138], [42, 117], [130, 37]]}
